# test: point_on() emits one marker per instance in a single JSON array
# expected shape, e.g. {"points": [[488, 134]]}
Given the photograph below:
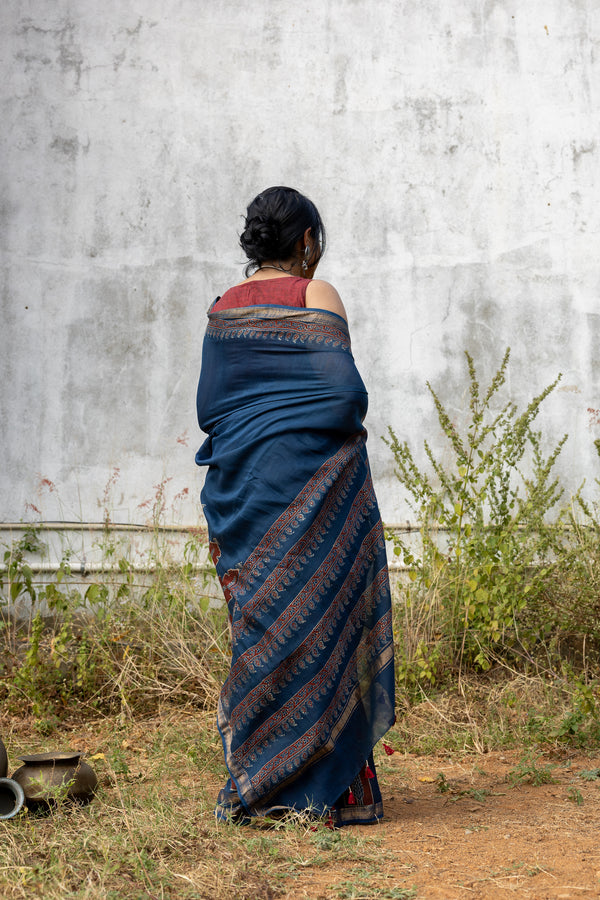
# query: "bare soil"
{"points": [[473, 834]]}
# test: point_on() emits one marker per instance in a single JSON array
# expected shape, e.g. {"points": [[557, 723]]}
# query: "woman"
{"points": [[295, 532]]}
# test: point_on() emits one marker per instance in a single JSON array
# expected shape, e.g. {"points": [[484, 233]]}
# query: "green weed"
{"points": [[590, 774], [443, 786], [362, 887], [528, 771]]}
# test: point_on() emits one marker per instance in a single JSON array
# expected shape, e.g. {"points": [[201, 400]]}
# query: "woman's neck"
{"points": [[274, 270]]}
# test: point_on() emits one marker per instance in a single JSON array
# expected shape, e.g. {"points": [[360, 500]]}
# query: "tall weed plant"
{"points": [[486, 543]]}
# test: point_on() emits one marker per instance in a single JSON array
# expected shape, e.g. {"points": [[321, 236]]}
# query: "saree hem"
{"points": [[360, 804]]}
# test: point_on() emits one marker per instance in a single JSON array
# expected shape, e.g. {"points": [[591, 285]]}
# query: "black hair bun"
{"points": [[276, 221], [260, 238]]}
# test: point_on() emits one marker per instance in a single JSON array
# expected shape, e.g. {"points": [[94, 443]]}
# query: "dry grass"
{"points": [[150, 831], [170, 656], [501, 710]]}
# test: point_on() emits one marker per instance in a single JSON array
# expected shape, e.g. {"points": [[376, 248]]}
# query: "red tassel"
{"points": [[351, 799], [369, 773], [389, 750]]}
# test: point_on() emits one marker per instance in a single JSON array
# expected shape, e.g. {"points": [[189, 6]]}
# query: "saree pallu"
{"points": [[297, 541]]}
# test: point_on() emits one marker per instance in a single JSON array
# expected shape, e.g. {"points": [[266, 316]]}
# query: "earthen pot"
{"points": [[3, 760], [12, 798], [48, 778]]}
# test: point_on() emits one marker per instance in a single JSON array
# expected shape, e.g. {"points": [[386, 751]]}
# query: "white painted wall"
{"points": [[452, 147]]}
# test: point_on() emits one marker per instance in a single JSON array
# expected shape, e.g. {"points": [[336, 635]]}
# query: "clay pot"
{"points": [[3, 761], [12, 798], [47, 778]]}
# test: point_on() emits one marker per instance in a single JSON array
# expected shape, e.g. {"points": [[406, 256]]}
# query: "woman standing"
{"points": [[295, 532]]}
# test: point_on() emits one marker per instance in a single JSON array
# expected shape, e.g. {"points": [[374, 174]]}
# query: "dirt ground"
{"points": [[483, 826], [458, 829]]}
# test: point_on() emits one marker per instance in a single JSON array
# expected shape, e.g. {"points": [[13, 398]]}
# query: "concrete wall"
{"points": [[452, 148]]}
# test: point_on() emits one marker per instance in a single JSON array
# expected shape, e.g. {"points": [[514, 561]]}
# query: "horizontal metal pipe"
{"points": [[102, 569], [176, 529], [100, 526]]}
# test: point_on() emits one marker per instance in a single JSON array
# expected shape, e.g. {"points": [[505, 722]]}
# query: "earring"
{"points": [[305, 260]]}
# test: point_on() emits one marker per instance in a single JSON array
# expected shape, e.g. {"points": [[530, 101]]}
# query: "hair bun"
{"points": [[275, 223], [260, 238]]}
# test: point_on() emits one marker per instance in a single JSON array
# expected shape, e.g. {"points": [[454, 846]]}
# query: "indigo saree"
{"points": [[297, 541]]}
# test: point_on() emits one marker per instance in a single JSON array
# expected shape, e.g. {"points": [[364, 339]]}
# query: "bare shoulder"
{"points": [[322, 295]]}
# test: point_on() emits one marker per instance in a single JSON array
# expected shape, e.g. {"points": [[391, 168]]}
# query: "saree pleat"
{"points": [[298, 545]]}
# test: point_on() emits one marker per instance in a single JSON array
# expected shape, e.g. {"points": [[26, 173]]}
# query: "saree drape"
{"points": [[297, 541]]}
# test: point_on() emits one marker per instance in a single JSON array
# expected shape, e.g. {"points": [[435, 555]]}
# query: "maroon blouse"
{"points": [[284, 291]]}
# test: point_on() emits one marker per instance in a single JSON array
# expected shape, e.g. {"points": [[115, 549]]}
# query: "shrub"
{"points": [[486, 545]]}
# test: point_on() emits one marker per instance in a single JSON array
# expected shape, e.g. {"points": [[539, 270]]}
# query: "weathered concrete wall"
{"points": [[452, 148]]}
